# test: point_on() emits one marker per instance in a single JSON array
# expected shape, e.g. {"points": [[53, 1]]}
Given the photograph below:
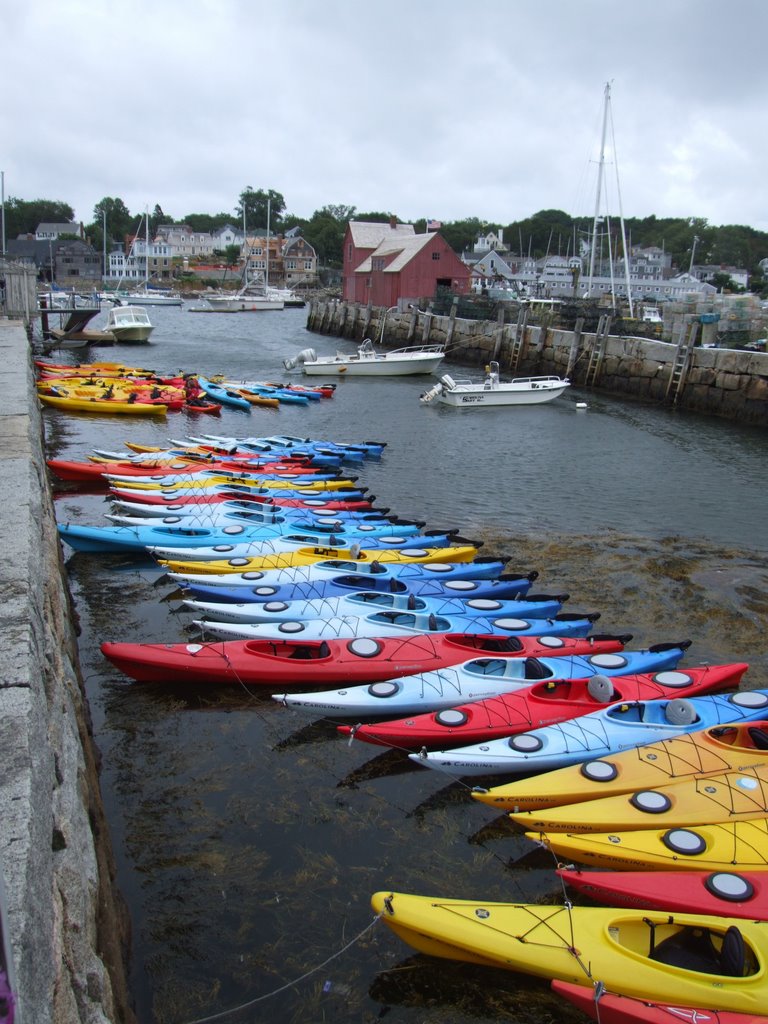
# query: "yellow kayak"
{"points": [[306, 556], [732, 846], [685, 958], [189, 483], [101, 407], [731, 796], [695, 755]]}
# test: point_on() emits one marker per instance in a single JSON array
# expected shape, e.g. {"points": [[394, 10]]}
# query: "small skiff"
{"points": [[368, 362], [463, 393]]}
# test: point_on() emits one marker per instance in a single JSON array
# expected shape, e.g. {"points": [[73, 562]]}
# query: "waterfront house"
{"points": [[50, 232], [406, 268], [361, 239]]}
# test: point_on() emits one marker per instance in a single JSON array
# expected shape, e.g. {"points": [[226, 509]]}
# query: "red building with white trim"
{"points": [[387, 264]]}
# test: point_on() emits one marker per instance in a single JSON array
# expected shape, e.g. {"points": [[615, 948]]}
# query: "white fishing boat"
{"points": [[368, 362], [466, 394], [129, 324]]}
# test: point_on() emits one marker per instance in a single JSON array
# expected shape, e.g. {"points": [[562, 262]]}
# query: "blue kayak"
{"points": [[541, 606], [397, 623], [596, 735], [202, 542], [475, 680], [226, 396], [504, 587], [253, 547], [483, 567]]}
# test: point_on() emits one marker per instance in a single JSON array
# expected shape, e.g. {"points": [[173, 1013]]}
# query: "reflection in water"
{"points": [[249, 842]]}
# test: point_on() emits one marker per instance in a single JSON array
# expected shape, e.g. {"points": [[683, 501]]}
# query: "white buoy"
{"points": [[581, 405]]}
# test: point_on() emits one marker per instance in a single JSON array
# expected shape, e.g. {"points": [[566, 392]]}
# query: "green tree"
{"points": [[118, 216], [23, 216], [231, 255], [255, 204], [206, 221]]}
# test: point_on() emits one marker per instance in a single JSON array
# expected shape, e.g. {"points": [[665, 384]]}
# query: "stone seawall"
{"points": [[65, 922], [722, 382]]}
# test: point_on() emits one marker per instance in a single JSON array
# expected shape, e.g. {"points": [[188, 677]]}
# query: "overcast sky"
{"points": [[423, 108]]}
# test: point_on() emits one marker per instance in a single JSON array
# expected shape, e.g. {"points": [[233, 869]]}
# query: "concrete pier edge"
{"points": [[67, 927]]}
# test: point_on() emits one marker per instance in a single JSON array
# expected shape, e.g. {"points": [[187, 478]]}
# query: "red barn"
{"points": [[388, 263]]}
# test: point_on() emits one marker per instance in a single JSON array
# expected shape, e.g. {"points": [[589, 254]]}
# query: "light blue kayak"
{"points": [[363, 602], [399, 623], [598, 734], [475, 680], [483, 567], [341, 539], [504, 588]]}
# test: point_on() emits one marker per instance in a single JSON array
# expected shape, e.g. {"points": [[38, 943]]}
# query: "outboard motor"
{"points": [[306, 355], [432, 393]]}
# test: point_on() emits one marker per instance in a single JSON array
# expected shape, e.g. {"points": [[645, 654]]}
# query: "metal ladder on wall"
{"points": [[598, 352], [682, 363], [516, 348]]}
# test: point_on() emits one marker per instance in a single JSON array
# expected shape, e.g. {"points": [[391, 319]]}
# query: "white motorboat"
{"points": [[368, 362], [129, 324], [466, 394]]}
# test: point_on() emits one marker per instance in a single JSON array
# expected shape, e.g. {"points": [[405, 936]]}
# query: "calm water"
{"points": [[248, 837]]}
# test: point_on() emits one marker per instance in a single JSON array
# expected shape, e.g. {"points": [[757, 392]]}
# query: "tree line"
{"points": [[548, 232]]}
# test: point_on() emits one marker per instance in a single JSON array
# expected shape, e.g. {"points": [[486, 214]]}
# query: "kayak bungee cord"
{"points": [[289, 984]]}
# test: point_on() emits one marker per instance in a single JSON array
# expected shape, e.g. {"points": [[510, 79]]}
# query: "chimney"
{"points": [[393, 222]]}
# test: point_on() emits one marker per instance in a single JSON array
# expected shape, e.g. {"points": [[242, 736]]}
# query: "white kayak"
{"points": [[475, 680], [600, 733]]}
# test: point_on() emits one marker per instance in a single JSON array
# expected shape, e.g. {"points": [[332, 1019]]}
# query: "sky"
{"points": [[441, 109]]}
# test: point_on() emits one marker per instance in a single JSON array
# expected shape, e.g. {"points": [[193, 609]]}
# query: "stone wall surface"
{"points": [[729, 383], [65, 922]]}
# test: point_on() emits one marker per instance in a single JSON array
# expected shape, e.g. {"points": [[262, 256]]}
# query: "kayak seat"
{"points": [[759, 737], [535, 670], [692, 949]]}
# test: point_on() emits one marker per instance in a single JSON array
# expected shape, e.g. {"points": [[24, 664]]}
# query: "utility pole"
{"points": [[2, 213]]}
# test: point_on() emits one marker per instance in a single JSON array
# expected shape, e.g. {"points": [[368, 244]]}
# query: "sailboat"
{"points": [[253, 296], [148, 295], [598, 219]]}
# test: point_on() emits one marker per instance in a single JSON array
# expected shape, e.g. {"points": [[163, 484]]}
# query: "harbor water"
{"points": [[249, 837]]}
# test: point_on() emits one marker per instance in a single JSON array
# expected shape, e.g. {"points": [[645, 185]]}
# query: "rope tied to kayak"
{"points": [[223, 1014]]}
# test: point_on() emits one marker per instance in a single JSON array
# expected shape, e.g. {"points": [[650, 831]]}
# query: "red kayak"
{"points": [[278, 663], [722, 893], [613, 1009], [200, 405], [263, 498], [182, 466], [539, 705]]}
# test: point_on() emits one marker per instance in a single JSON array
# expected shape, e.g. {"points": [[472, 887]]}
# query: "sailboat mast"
{"points": [[266, 279], [598, 196]]}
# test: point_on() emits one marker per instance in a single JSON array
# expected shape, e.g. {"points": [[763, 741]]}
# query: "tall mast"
{"points": [[146, 250], [266, 279], [598, 196]]}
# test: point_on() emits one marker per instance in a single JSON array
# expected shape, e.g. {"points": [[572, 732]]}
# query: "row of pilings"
{"points": [[729, 383]]}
